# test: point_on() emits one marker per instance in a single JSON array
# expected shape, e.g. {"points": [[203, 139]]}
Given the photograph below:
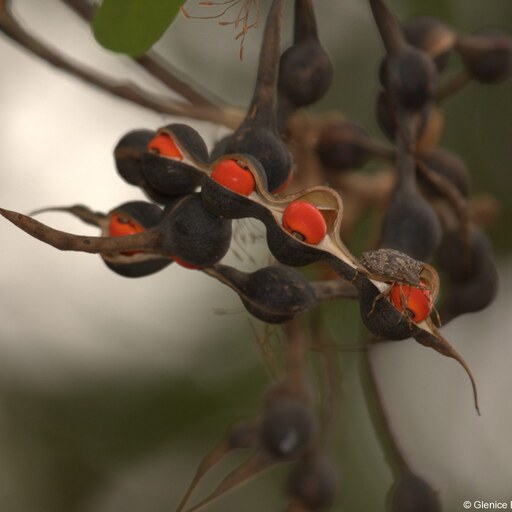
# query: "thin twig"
{"points": [[12, 29], [151, 63]]}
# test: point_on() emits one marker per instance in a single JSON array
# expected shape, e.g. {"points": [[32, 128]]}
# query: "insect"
{"points": [[414, 284]]}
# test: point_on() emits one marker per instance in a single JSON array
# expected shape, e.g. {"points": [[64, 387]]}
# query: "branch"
{"points": [[150, 62], [12, 29]]}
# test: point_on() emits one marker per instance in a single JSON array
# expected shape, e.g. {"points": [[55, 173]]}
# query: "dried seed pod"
{"points": [[192, 235], [411, 225], [410, 78], [429, 126], [411, 493], [305, 70], [379, 316], [273, 294], [128, 155], [257, 135], [345, 145], [312, 483], [408, 75], [288, 428], [448, 165], [487, 56], [168, 162], [432, 37], [127, 219], [472, 278]]}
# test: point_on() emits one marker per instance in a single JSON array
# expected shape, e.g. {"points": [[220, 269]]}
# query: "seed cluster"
{"points": [[195, 194]]}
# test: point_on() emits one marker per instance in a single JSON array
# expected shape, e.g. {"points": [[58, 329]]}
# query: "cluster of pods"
{"points": [[195, 194]]}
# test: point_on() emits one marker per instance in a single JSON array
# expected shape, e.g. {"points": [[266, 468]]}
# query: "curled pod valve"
{"points": [[168, 164], [128, 219]]}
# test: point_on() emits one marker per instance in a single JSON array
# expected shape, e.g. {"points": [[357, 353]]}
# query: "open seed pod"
{"points": [[305, 69], [432, 37], [257, 135], [168, 164], [192, 235], [312, 484], [130, 218], [411, 493], [134, 219], [386, 319], [487, 56], [273, 294], [128, 155]]}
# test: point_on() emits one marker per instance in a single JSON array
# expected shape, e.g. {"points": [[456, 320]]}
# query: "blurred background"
{"points": [[112, 389]]}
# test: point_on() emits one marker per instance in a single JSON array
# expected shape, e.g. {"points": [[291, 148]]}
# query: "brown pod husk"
{"points": [[274, 294], [192, 234], [170, 177], [447, 164], [312, 483], [432, 37], [410, 493], [487, 56], [139, 264]]}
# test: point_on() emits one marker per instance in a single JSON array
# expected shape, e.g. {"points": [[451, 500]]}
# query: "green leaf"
{"points": [[133, 26]]}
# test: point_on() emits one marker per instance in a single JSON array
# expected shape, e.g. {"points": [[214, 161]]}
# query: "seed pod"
{"points": [[410, 78], [411, 225], [410, 493], [126, 219], [487, 56], [257, 135], [379, 316], [472, 278], [429, 127], [408, 75], [274, 294], [312, 483], [128, 155], [432, 37], [345, 145], [167, 163], [448, 165], [192, 235], [305, 70], [288, 427]]}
